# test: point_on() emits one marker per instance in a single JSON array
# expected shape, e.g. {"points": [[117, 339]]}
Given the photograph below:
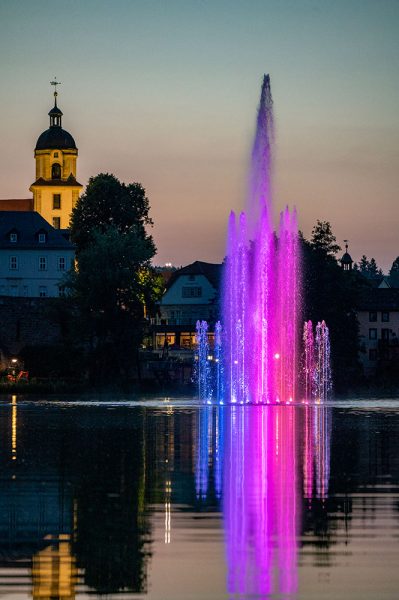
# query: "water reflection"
{"points": [[105, 500], [263, 451], [261, 501]]}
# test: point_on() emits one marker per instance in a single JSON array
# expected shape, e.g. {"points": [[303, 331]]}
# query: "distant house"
{"points": [[192, 294], [33, 255], [378, 316]]}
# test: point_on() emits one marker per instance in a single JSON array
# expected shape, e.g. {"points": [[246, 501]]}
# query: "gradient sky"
{"points": [[165, 93]]}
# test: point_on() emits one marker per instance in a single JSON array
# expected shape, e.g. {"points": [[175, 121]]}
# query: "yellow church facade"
{"points": [[55, 189]]}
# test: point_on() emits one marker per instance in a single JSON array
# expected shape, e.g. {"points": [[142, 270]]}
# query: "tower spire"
{"points": [[55, 113], [55, 83]]}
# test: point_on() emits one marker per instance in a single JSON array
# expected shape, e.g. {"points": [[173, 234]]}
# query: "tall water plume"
{"points": [[261, 285]]}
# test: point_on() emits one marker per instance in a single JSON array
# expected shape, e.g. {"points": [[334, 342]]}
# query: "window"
{"points": [[42, 291], [61, 263], [14, 290], [13, 237], [25, 290], [372, 334], [372, 354], [56, 222], [191, 292], [385, 316], [42, 263], [61, 290], [42, 238], [56, 171], [373, 317], [56, 201], [55, 154], [13, 263], [385, 334]]}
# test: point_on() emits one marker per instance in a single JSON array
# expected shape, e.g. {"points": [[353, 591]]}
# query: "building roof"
{"points": [[70, 182], [377, 299], [211, 271], [346, 259], [55, 138], [27, 225], [18, 204]]}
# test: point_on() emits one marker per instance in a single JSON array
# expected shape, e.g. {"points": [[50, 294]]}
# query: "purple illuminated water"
{"points": [[261, 299]]}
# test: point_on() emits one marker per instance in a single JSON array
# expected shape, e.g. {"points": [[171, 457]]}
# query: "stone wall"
{"points": [[25, 322]]}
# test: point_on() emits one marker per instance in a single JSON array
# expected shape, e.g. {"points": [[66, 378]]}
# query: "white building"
{"points": [[192, 294], [34, 256]]}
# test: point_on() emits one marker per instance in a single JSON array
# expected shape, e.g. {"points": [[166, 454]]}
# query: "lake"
{"points": [[161, 498]]}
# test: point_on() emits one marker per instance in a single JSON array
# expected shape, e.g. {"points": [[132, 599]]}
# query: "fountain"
{"points": [[261, 299], [257, 350]]}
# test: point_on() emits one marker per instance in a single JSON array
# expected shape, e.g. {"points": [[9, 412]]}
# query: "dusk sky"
{"points": [[165, 93]]}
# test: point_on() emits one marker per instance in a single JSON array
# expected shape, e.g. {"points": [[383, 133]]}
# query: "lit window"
{"points": [[13, 263], [372, 334], [42, 263], [373, 316], [61, 263], [385, 317], [56, 201], [56, 222], [191, 292], [13, 237], [42, 238], [42, 291]]}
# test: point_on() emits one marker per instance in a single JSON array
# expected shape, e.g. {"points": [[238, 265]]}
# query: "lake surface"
{"points": [[165, 499]]}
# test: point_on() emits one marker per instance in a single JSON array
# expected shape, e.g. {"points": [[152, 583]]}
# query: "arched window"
{"points": [[56, 171]]}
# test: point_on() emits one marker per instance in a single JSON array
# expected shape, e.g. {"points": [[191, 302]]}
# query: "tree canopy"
{"points": [[323, 240], [108, 203], [114, 286]]}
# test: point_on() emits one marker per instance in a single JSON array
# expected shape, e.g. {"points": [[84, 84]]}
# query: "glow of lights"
{"points": [[209, 357], [14, 360], [168, 493], [14, 423], [168, 264], [277, 356]]}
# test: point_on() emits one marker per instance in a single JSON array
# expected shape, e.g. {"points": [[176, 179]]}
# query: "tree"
{"points": [[364, 265], [114, 286], [108, 203], [323, 240], [394, 270], [369, 268], [331, 294]]}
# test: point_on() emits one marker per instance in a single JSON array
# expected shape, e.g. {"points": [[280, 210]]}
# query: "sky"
{"points": [[165, 93]]}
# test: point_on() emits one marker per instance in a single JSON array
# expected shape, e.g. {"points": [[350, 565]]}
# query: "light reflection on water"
{"points": [[212, 502]]}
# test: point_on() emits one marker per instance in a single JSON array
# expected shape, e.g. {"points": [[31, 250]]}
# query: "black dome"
{"points": [[346, 258], [55, 138]]}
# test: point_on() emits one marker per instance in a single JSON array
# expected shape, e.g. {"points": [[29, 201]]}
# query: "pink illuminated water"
{"points": [[261, 296], [261, 506]]}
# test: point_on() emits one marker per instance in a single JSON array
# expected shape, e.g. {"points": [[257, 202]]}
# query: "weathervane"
{"points": [[55, 83], [346, 244]]}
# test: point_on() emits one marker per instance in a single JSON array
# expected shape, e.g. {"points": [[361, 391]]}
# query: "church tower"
{"points": [[55, 191]]}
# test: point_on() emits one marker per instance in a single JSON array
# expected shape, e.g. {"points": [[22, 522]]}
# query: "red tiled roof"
{"points": [[25, 204]]}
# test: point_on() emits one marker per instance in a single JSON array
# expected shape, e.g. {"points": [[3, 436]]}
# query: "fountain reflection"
{"points": [[261, 500], [316, 460], [264, 451]]}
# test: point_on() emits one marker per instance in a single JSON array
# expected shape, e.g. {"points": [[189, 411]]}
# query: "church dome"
{"points": [[55, 138]]}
